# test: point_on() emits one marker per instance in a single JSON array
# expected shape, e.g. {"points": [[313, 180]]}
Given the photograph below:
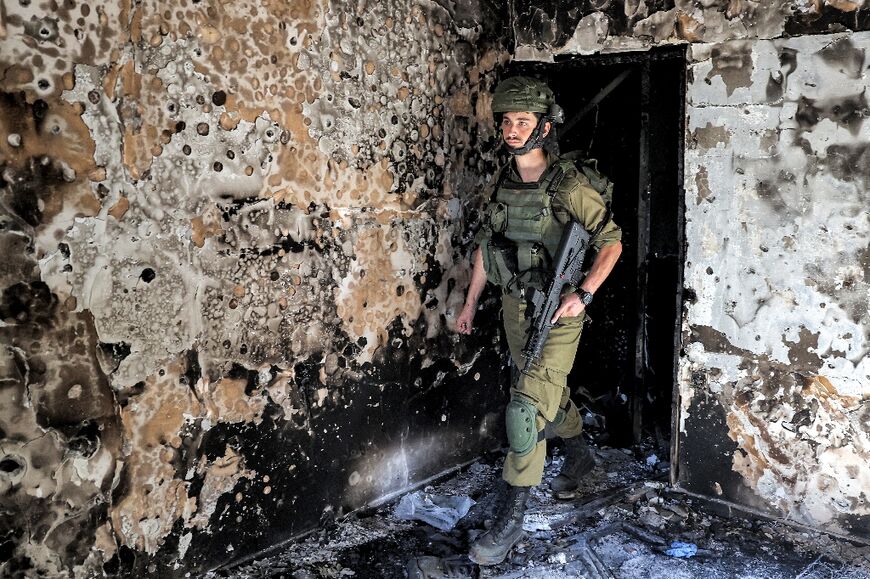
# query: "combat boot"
{"points": [[493, 546], [578, 462]]}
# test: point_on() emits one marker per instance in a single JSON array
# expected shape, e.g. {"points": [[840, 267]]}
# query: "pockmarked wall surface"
{"points": [[234, 239], [545, 30], [774, 377]]}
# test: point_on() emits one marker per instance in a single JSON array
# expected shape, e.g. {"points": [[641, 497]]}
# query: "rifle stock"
{"points": [[567, 269]]}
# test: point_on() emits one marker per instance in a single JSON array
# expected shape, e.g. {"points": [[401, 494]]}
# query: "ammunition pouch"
{"points": [[499, 260]]}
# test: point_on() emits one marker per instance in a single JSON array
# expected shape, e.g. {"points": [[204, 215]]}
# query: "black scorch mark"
{"points": [[733, 63], [844, 56], [848, 112]]}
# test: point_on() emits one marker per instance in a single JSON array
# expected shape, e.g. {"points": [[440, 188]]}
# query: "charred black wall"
{"points": [[235, 239]]}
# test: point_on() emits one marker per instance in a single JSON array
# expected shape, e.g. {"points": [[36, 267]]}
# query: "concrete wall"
{"points": [[777, 335], [774, 377], [234, 238]]}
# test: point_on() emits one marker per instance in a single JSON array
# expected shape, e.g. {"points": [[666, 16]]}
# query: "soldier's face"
{"points": [[516, 128]]}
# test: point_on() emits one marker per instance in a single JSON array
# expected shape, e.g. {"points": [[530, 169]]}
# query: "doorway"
{"points": [[627, 111]]}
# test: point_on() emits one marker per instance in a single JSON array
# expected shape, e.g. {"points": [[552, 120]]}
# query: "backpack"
{"points": [[598, 180]]}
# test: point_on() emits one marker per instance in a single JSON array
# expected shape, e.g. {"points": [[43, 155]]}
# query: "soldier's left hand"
{"points": [[571, 307]]}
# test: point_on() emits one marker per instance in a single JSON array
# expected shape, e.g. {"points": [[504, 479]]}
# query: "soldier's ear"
{"points": [[546, 130]]}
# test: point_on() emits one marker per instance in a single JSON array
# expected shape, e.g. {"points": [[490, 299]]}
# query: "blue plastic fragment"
{"points": [[683, 550]]}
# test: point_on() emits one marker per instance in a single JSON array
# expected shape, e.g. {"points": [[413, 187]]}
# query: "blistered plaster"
{"points": [[231, 227], [543, 31], [778, 331]]}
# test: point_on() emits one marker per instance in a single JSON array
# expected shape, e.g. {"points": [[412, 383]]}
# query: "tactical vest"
{"points": [[524, 233]]}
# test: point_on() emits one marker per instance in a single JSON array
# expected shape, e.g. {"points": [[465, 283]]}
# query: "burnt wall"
{"points": [[235, 237], [777, 337], [773, 370], [543, 30]]}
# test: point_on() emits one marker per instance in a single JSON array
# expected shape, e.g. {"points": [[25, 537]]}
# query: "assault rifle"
{"points": [[567, 270]]}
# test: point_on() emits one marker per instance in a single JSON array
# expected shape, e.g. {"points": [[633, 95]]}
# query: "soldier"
{"points": [[535, 196]]}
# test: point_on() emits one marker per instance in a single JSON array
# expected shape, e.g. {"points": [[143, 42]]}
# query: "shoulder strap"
{"points": [[556, 180], [502, 175], [554, 177], [558, 175]]}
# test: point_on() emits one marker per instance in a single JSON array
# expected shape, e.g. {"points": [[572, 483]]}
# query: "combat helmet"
{"points": [[527, 94]]}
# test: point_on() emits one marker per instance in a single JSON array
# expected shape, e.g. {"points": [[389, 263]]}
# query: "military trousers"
{"points": [[545, 385]]}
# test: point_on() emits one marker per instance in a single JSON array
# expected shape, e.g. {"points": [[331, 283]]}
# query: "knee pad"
{"points": [[522, 430]]}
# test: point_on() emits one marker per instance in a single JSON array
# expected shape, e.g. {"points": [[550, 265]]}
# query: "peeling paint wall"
{"points": [[778, 335], [774, 376], [234, 239], [544, 30]]}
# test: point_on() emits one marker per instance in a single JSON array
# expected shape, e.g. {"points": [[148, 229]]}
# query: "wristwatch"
{"points": [[585, 296]]}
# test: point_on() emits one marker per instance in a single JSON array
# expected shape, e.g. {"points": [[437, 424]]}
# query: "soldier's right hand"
{"points": [[465, 321]]}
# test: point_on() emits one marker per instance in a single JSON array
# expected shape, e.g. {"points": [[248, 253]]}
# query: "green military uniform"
{"points": [[531, 216]]}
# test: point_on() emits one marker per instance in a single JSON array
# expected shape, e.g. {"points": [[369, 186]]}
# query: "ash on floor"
{"points": [[619, 524]]}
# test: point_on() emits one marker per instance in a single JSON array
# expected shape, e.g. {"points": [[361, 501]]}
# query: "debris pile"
{"points": [[624, 521]]}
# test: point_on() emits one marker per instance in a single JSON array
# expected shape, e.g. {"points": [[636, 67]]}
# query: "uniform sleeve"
{"points": [[576, 199]]}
